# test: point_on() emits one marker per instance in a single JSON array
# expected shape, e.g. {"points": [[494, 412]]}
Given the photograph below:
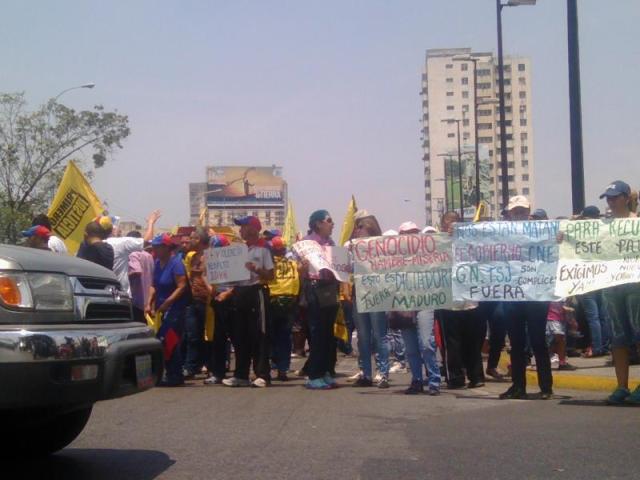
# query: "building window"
{"points": [[524, 136], [521, 67], [525, 177], [449, 65], [525, 191], [464, 67], [491, 153], [485, 126], [465, 108], [451, 135], [465, 136], [484, 85], [449, 80], [507, 82], [524, 149], [465, 94], [485, 139], [522, 81], [449, 94], [511, 164], [483, 72], [522, 94], [465, 122], [465, 81], [523, 122], [484, 113], [449, 107]]}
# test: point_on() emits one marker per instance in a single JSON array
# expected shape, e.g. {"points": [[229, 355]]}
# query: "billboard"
{"points": [[245, 186], [452, 173]]}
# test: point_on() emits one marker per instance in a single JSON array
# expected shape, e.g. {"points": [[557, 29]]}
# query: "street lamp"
{"points": [[504, 165], [85, 85], [450, 120]]}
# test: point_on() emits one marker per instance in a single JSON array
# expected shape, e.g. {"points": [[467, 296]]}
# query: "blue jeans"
{"points": [[597, 321], [194, 336], [420, 344], [372, 324]]}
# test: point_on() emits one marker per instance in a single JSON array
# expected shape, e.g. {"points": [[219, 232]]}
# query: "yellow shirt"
{"points": [[286, 278]]}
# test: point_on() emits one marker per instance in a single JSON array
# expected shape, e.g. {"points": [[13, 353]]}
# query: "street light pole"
{"points": [[85, 85], [575, 109], [460, 174]]}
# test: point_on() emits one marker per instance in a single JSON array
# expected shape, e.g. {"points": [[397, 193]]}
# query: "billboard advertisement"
{"points": [[452, 173], [245, 185]]}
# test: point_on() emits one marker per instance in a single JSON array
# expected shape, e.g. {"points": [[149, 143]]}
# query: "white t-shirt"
{"points": [[122, 248], [261, 257], [57, 245]]}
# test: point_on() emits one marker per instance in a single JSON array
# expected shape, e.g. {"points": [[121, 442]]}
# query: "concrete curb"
{"points": [[573, 381]]}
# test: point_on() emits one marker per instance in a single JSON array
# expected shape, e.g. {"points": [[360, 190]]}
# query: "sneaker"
{"points": [[555, 359], [383, 383], [397, 367], [567, 367], [415, 388], [260, 383], [433, 391], [513, 393], [618, 396], [329, 380], [354, 378], [377, 378], [236, 382], [363, 382], [213, 380], [188, 375], [545, 395], [634, 398], [282, 377], [316, 384]]}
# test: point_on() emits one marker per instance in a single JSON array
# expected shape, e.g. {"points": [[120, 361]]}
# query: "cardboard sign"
{"points": [[334, 259], [227, 264]]}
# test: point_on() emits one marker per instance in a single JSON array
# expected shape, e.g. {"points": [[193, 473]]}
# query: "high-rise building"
{"points": [[232, 192], [448, 102]]}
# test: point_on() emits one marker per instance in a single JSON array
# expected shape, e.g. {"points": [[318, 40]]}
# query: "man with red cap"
{"points": [[250, 326]]}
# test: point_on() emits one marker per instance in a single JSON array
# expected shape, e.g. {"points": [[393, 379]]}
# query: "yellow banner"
{"points": [[290, 232], [74, 205], [348, 223]]}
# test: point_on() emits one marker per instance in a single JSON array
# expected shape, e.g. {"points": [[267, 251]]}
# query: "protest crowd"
{"points": [[287, 305]]}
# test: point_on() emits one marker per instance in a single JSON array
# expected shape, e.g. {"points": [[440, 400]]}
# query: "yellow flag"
{"points": [[340, 330], [481, 211], [74, 205], [290, 232], [348, 223]]}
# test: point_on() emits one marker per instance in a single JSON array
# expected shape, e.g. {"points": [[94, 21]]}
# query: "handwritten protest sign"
{"points": [[596, 254], [505, 261], [227, 264], [402, 273], [334, 259]]}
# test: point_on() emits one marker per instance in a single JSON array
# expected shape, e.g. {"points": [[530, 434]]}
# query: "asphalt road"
{"points": [[287, 432]]}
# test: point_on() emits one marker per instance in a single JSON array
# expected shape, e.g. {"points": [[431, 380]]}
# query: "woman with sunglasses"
{"points": [[320, 292], [371, 325]]}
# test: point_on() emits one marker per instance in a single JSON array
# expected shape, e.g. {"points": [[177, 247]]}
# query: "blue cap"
{"points": [[590, 211], [540, 214], [617, 188], [162, 239]]}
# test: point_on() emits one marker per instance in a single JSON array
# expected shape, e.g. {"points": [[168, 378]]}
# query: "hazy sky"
{"points": [[328, 90]]}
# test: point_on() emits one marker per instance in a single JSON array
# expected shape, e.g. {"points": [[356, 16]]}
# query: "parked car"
{"points": [[67, 340]]}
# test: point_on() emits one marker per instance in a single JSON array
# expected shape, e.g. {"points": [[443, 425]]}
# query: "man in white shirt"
{"points": [[124, 246]]}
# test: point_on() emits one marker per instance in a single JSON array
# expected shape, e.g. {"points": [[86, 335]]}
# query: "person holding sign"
{"points": [[320, 291], [522, 318], [250, 297], [622, 306]]}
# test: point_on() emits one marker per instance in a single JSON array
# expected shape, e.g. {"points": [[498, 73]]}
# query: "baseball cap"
{"points": [[540, 214], [429, 229], [590, 211], [408, 227], [37, 231], [250, 220], [617, 188], [518, 201], [277, 243], [218, 240], [389, 233], [271, 233], [162, 239]]}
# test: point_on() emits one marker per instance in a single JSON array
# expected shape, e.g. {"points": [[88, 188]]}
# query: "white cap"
{"points": [[518, 201], [408, 227], [429, 229], [389, 233]]}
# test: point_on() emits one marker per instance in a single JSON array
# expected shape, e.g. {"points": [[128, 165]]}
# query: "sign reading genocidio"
{"points": [[402, 273], [596, 254], [509, 261]]}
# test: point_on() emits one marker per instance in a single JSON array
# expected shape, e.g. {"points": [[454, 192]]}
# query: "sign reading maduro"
{"points": [[505, 261], [596, 254], [402, 273]]}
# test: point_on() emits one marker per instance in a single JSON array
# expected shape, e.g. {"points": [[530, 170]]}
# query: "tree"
{"points": [[35, 148]]}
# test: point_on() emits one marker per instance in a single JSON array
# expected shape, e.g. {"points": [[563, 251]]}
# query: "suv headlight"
{"points": [[39, 291]]}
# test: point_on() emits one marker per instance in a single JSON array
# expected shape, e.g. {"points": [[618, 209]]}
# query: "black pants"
{"points": [[463, 332], [530, 318], [251, 332], [322, 343], [224, 313], [493, 313]]}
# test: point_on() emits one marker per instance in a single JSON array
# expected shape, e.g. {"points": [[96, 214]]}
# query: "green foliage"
{"points": [[35, 147]]}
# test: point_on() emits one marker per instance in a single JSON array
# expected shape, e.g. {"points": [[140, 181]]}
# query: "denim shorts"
{"points": [[622, 305]]}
